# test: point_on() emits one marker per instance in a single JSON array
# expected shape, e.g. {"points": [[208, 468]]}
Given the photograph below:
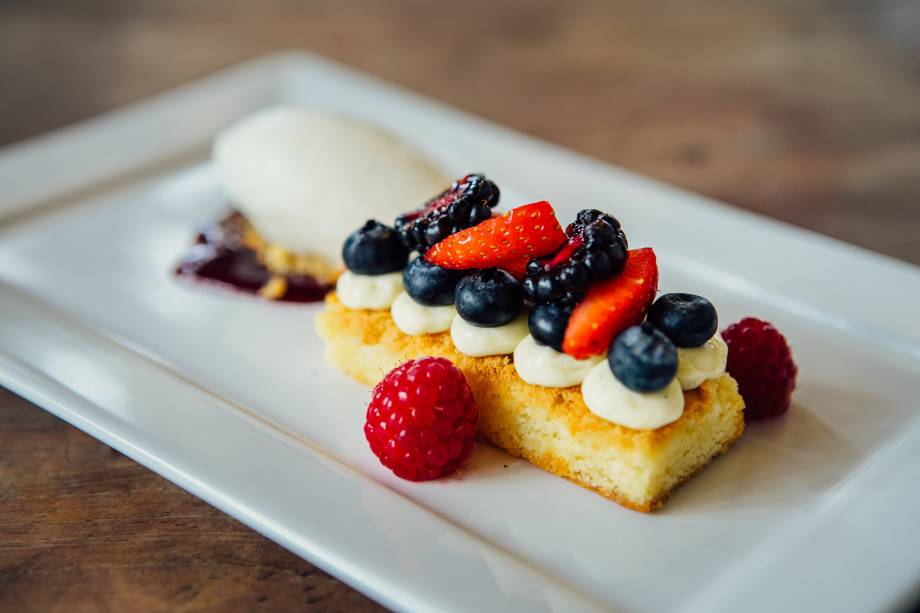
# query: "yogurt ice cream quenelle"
{"points": [[303, 177]]}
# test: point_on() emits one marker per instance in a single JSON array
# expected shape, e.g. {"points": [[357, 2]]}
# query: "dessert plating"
{"points": [[547, 342], [549, 328]]}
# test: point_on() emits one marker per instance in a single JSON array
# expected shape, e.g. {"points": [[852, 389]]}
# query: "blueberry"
{"points": [[429, 284], [643, 359], [374, 249], [547, 324], [489, 298], [687, 319]]}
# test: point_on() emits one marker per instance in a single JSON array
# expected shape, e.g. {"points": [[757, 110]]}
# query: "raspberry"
{"points": [[421, 420], [760, 360]]}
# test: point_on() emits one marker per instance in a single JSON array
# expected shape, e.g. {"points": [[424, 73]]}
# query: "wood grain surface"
{"points": [[806, 111]]}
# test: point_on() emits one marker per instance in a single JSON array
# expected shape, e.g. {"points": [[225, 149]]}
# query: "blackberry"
{"points": [[595, 251], [464, 204]]}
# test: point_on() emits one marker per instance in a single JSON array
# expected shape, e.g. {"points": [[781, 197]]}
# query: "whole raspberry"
{"points": [[421, 420], [760, 360]]}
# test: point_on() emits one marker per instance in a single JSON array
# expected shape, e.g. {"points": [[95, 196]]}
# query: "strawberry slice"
{"points": [[517, 268], [526, 232], [612, 306]]}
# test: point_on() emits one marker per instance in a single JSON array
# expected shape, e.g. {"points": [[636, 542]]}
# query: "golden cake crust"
{"points": [[365, 344]]}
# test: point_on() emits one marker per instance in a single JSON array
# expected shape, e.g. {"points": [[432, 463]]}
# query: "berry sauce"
{"points": [[219, 257]]}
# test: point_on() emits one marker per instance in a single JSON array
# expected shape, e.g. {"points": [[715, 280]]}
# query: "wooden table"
{"points": [[804, 111]]}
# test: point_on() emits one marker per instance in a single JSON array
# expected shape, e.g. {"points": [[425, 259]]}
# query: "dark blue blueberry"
{"points": [[489, 298], [643, 359], [374, 249], [687, 319], [429, 284], [547, 323]]}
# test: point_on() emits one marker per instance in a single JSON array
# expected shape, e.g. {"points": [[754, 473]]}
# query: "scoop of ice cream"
{"points": [[306, 179]]}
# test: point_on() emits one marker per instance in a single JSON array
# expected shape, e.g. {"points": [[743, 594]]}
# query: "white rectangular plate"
{"points": [[229, 397]]}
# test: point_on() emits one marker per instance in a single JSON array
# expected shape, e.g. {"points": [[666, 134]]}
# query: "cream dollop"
{"points": [[416, 319], [368, 291], [542, 365], [698, 364], [293, 171], [609, 399], [478, 342]]}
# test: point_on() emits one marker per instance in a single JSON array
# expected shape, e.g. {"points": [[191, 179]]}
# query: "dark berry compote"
{"points": [[221, 255]]}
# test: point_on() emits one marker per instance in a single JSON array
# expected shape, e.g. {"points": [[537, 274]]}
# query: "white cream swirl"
{"points": [[542, 365], [609, 399], [698, 364], [416, 319], [368, 291], [479, 342]]}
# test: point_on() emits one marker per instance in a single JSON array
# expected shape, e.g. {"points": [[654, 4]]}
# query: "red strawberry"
{"points": [[527, 232], [517, 268], [612, 306]]}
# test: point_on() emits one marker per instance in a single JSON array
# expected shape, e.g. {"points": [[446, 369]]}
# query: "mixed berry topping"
{"points": [[547, 323], [643, 359], [595, 250], [429, 284], [611, 306], [687, 319], [374, 249], [489, 298], [507, 242], [464, 204], [421, 420], [760, 360]]}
